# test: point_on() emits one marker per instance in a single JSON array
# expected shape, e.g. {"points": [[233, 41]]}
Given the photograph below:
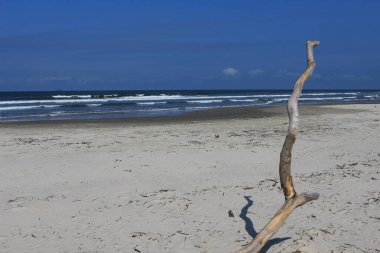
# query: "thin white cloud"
{"points": [[316, 76], [332, 77], [38, 79], [48, 79], [256, 72], [341, 77], [230, 71], [352, 77], [56, 78], [286, 73]]}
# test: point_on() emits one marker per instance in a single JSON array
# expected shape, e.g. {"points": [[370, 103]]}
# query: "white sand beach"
{"points": [[190, 185]]}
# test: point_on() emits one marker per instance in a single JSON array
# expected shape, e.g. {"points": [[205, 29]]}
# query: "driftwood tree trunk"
{"points": [[292, 199]]}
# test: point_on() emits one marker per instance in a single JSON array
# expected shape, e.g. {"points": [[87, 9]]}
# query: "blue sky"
{"points": [[186, 44]]}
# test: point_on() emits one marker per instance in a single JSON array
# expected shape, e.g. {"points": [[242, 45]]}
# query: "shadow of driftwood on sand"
{"points": [[251, 229]]}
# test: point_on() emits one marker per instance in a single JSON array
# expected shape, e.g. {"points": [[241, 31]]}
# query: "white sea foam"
{"points": [[12, 108], [205, 101], [71, 96], [153, 97], [331, 93], [243, 100], [327, 98], [49, 106], [315, 99], [67, 99], [63, 99], [223, 106], [201, 107], [270, 95], [150, 103]]}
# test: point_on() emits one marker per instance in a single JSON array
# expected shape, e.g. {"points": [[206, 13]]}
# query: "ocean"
{"points": [[85, 105]]}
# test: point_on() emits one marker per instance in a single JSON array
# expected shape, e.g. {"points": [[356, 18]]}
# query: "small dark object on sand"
{"points": [[231, 214], [216, 136]]}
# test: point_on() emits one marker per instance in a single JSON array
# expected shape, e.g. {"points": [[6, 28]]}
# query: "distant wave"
{"points": [[71, 96], [74, 105], [205, 101], [152, 97], [150, 100], [108, 104], [63, 113], [214, 107], [327, 98], [95, 99], [331, 93], [201, 107], [377, 96], [84, 96], [243, 100], [117, 103], [11, 108], [69, 99], [315, 99], [150, 103]]}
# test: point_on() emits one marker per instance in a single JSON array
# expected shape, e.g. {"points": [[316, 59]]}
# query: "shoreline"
{"points": [[216, 114]]}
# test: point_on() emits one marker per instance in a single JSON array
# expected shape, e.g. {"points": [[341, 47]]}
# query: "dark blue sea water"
{"points": [[73, 105]]}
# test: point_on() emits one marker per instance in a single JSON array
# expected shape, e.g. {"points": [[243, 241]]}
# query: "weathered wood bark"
{"points": [[292, 200]]}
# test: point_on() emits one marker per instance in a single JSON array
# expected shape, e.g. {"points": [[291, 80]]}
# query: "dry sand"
{"points": [[171, 185]]}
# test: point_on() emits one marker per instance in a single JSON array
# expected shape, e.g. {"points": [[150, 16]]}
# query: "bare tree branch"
{"points": [[292, 200]]}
